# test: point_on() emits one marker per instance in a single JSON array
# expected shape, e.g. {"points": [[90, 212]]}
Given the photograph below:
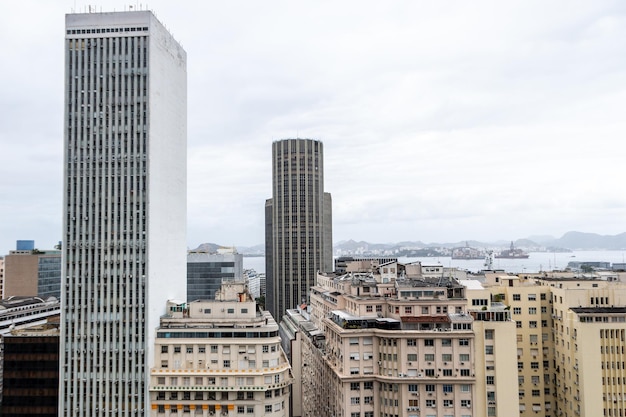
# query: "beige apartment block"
{"points": [[589, 322], [570, 341], [219, 358], [399, 348]]}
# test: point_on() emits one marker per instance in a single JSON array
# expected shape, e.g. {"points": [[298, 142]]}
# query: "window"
{"points": [[448, 403], [161, 380], [176, 349], [244, 311], [489, 334], [534, 365], [411, 342], [230, 311], [532, 310], [490, 379], [430, 403], [369, 309], [201, 349], [464, 357], [430, 388], [368, 400], [536, 393], [265, 349], [543, 296], [408, 310], [268, 408], [429, 342], [355, 400], [446, 357], [447, 372], [532, 297], [447, 387], [213, 348], [516, 297], [189, 349], [429, 357], [517, 310], [226, 363], [413, 387], [465, 372], [532, 324], [446, 342], [466, 403], [355, 386], [411, 357], [430, 372], [463, 342], [489, 349], [164, 349], [544, 309]]}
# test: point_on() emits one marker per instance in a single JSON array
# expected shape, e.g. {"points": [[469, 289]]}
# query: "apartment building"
{"points": [[400, 348], [569, 340], [219, 358], [588, 326]]}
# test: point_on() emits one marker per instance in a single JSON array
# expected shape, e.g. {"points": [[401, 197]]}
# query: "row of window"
{"points": [[215, 349], [224, 381], [413, 342]]}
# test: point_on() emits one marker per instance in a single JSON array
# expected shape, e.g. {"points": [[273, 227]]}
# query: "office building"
{"points": [[298, 222], [32, 272], [219, 358], [124, 205], [30, 375], [206, 271]]}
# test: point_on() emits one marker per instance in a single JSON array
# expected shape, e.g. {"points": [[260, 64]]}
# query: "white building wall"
{"points": [[124, 247]]}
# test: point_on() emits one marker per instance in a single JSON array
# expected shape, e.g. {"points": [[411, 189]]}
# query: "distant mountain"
{"points": [[207, 247], [570, 240], [256, 250], [580, 240]]}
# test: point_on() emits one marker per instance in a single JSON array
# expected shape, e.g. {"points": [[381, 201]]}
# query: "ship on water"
{"points": [[467, 252], [512, 253]]}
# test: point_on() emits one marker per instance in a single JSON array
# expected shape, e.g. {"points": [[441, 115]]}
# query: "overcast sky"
{"points": [[441, 121]]}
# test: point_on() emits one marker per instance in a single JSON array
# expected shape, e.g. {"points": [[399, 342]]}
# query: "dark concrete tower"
{"points": [[298, 223]]}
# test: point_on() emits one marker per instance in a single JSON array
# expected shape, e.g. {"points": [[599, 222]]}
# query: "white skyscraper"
{"points": [[124, 226]]}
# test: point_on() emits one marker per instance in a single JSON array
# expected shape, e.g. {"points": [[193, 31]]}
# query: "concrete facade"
{"points": [[298, 221], [220, 357], [124, 226], [33, 273]]}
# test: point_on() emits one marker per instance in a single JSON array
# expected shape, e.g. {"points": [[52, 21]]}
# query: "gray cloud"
{"points": [[440, 122]]}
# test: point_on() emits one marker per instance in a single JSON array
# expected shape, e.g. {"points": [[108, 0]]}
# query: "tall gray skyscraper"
{"points": [[124, 226], [298, 224]]}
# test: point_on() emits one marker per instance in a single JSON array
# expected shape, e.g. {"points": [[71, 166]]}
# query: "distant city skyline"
{"points": [[441, 122]]}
